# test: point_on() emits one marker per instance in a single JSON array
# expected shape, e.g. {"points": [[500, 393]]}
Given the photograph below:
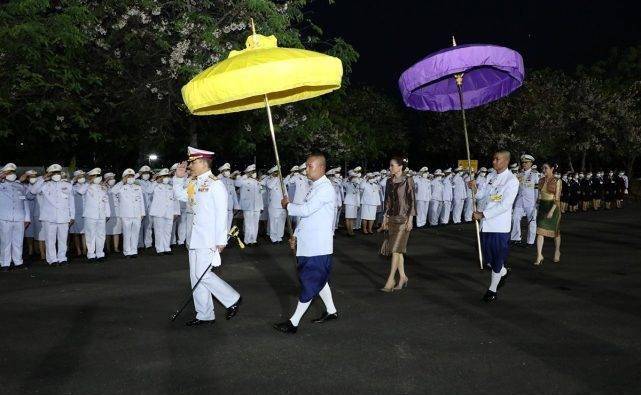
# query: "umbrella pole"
{"points": [[459, 84], [280, 174]]}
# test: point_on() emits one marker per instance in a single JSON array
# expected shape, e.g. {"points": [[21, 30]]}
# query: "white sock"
{"points": [[503, 271], [326, 295], [301, 308], [496, 277]]}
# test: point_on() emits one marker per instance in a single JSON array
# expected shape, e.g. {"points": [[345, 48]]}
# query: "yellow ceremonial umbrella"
{"points": [[260, 75]]}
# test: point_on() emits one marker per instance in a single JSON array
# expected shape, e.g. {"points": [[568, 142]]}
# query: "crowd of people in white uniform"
{"points": [[39, 211]]}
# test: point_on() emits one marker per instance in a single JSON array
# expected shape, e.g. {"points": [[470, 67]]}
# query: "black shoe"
{"points": [[91, 260], [100, 260], [325, 317], [65, 263], [503, 279], [233, 309], [4, 269], [54, 264], [285, 327], [489, 296], [160, 253], [197, 322]]}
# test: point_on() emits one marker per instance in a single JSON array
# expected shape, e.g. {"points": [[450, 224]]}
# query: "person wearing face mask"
{"points": [[436, 198], [130, 210], [146, 228], [30, 231], [352, 201], [301, 187], [78, 227], [370, 200], [277, 214], [525, 203], [96, 211], [36, 224], [264, 215], [114, 224], [334, 177], [14, 217], [251, 202], [458, 195], [448, 188], [423, 196], [481, 178], [164, 208], [57, 212], [232, 197]]}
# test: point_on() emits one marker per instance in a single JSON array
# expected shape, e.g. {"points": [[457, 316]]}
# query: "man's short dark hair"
{"points": [[319, 155], [504, 152]]}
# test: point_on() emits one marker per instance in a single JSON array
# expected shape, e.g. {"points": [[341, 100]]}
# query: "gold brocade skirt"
{"points": [[397, 235], [548, 227]]}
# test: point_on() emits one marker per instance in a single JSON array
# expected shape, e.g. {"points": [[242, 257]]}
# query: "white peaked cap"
{"points": [[448, 170], [460, 168], [54, 167], [195, 153], [273, 170], [31, 172], [351, 173], [128, 172], [94, 172], [145, 169], [527, 157], [482, 169], [78, 173], [9, 167], [163, 172], [303, 166], [423, 169], [173, 167], [330, 172], [438, 172], [357, 169], [294, 168], [224, 167], [109, 175], [250, 168], [514, 166]]}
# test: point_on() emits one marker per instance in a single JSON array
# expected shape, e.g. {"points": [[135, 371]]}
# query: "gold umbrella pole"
{"points": [[280, 173], [459, 85]]}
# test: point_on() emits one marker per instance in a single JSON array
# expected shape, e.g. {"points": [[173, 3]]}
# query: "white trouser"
{"points": [[174, 228], [230, 218], [359, 220], [95, 230], [162, 233], [250, 226], [434, 211], [530, 214], [11, 239], [446, 209], [337, 217], [56, 232], [199, 261], [146, 232], [130, 234], [422, 207], [182, 228], [277, 218], [457, 210], [189, 224], [468, 210]]}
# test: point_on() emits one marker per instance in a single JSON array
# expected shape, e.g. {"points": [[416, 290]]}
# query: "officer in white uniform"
{"points": [[208, 236], [251, 202], [14, 217], [370, 200], [77, 229], [164, 208], [289, 183], [57, 211], [232, 197], [436, 199], [448, 195], [130, 210], [459, 194], [146, 183], [468, 207], [352, 201], [96, 210], [423, 195], [114, 225], [525, 204], [277, 214], [27, 179]]}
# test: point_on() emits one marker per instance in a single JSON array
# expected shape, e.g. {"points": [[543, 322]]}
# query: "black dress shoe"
{"points": [[233, 309], [197, 322], [489, 296], [54, 264], [503, 280], [325, 317], [5, 269], [285, 327]]}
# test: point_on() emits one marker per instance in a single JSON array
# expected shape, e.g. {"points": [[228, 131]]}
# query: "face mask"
{"points": [[97, 180], [253, 175], [145, 176], [130, 180], [32, 180], [11, 177], [56, 177], [425, 175], [81, 180], [226, 173], [165, 180], [111, 183]]}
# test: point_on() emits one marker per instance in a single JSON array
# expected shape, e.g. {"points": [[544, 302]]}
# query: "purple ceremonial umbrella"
{"points": [[462, 77]]}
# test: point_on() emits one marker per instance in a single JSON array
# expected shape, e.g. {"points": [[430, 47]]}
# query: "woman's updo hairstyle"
{"points": [[400, 160]]}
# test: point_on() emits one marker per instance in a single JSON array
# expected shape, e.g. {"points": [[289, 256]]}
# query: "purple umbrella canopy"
{"points": [[490, 73]]}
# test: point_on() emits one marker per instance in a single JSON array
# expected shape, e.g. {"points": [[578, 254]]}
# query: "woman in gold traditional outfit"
{"points": [[548, 218], [400, 209]]}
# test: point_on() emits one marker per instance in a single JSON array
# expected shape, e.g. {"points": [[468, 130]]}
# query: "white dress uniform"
{"points": [[78, 226], [96, 210], [459, 194], [232, 199], [446, 208], [277, 214], [423, 196], [114, 224], [14, 213], [130, 210], [164, 207], [525, 205], [352, 199], [36, 225], [146, 229], [468, 207], [251, 202], [370, 200], [207, 197], [33, 213], [436, 200], [56, 211], [338, 190]]}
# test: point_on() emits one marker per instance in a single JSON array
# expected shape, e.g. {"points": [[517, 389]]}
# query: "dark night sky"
{"points": [[392, 35]]}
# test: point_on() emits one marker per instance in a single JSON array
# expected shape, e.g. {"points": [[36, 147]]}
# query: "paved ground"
{"points": [[566, 328]]}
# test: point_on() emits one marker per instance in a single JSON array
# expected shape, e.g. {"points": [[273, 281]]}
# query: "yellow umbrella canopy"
{"points": [[241, 81]]}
